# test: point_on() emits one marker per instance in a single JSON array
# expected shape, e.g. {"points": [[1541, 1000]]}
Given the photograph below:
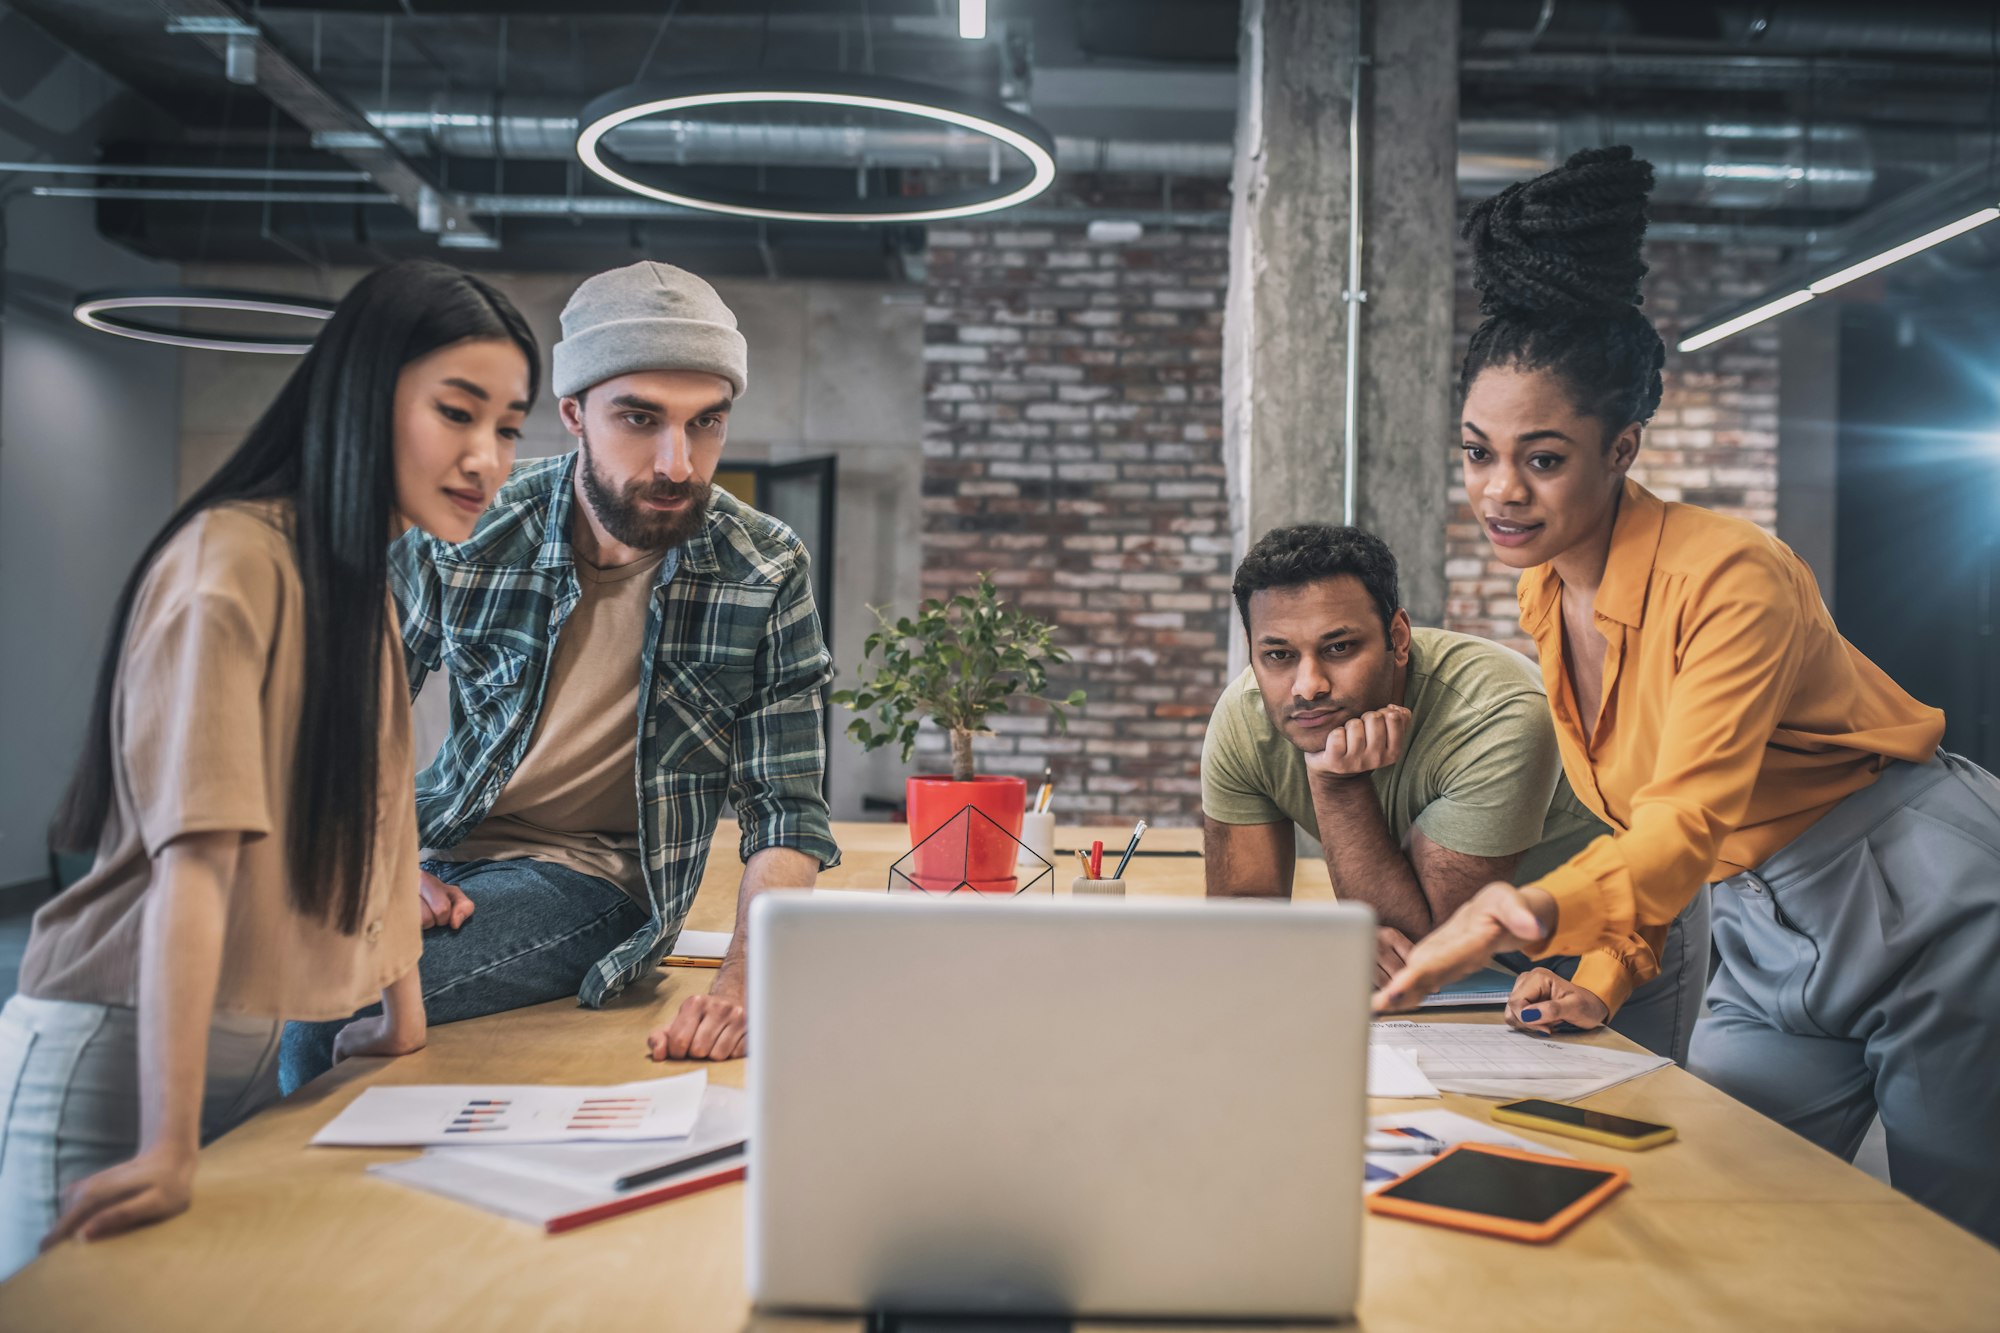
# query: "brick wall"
{"points": [[1073, 448], [1714, 441]]}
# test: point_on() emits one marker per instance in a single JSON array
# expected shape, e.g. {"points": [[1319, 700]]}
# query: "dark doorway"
{"points": [[1917, 546]]}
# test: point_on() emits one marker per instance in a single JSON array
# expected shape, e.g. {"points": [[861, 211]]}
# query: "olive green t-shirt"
{"points": [[1480, 772]]}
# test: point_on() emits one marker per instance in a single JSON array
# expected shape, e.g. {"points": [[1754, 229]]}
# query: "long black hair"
{"points": [[1556, 261], [327, 445]]}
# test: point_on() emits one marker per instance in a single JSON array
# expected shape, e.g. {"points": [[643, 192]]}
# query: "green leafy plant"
{"points": [[958, 662]]}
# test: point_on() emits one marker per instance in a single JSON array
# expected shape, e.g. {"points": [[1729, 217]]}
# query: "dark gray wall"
{"points": [[88, 431]]}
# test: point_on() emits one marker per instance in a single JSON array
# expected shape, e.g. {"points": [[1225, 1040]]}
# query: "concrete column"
{"points": [[1284, 341], [1809, 438]]}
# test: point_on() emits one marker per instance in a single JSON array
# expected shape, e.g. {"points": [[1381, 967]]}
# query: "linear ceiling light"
{"points": [[1729, 327], [1715, 333], [972, 19], [1004, 127], [94, 309], [1904, 251]]}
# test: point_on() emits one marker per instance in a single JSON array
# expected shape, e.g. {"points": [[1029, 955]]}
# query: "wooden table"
{"points": [[1740, 1224]]}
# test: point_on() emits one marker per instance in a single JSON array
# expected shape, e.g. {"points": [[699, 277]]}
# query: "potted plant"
{"points": [[958, 662]]}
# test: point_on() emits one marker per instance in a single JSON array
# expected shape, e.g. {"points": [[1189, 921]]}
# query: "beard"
{"points": [[621, 509]]}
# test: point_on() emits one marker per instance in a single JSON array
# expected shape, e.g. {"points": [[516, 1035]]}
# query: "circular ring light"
{"points": [[94, 310], [997, 123]]}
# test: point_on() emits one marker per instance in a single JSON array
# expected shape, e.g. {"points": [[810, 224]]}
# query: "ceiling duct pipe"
{"points": [[1913, 28], [1713, 162], [470, 125], [1710, 162]]}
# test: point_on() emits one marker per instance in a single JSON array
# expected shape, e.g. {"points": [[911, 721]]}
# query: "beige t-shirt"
{"points": [[574, 800], [204, 728], [1480, 772]]}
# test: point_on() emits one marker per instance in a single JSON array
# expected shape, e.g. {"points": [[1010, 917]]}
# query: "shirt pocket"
{"points": [[484, 677], [696, 705]]}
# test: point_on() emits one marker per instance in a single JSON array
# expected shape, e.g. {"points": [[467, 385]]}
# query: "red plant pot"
{"points": [[985, 856]]}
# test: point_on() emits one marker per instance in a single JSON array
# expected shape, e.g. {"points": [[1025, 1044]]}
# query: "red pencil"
{"points": [[1097, 859]]}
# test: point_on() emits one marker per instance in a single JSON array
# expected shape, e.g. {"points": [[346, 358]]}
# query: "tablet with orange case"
{"points": [[1500, 1191]]}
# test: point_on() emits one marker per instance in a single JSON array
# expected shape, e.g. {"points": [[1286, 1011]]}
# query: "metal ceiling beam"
{"points": [[334, 124]]}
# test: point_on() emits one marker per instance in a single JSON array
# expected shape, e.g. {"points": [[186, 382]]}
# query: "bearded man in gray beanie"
{"points": [[626, 646]]}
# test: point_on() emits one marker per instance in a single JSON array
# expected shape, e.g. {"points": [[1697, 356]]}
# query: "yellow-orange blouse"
{"points": [[1733, 717]]}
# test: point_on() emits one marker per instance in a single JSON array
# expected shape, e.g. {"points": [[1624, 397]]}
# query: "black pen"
{"points": [[1138, 832], [653, 1173]]}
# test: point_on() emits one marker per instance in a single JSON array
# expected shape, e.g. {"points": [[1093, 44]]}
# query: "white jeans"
{"points": [[69, 1091]]}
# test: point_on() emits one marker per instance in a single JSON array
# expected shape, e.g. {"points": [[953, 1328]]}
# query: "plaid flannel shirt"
{"points": [[729, 688]]}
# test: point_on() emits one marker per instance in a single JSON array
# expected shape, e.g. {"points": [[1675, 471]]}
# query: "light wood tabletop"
{"points": [[1738, 1225]]}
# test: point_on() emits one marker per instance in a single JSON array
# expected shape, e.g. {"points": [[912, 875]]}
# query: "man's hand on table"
{"points": [[1392, 950], [714, 1026]]}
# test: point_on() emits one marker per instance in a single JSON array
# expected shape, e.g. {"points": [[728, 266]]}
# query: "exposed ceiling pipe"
{"points": [[1961, 30], [631, 208], [466, 125], [220, 26], [1710, 161], [1683, 69], [1913, 27]]}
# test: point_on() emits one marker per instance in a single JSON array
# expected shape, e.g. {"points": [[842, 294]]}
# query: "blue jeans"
{"points": [[535, 930]]}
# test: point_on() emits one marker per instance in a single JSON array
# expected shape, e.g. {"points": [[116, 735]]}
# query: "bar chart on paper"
{"points": [[440, 1114], [1483, 1060]]}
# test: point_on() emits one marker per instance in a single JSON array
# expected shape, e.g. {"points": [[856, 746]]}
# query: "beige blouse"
{"points": [[204, 727]]}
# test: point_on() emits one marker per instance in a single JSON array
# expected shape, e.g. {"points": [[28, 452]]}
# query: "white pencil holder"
{"points": [[1038, 835]]}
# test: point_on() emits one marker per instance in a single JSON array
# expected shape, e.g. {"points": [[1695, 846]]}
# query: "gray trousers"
{"points": [[1860, 973], [1661, 1014]]}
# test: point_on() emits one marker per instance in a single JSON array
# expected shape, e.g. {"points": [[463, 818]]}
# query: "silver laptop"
{"points": [[1082, 1107]]}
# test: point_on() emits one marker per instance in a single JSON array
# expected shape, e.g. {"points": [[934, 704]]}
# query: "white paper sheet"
{"points": [[702, 944], [1448, 1127], [530, 1185], [1394, 1073], [461, 1113], [1487, 1060]]}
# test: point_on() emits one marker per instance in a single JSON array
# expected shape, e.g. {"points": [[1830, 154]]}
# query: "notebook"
{"points": [[559, 1187], [1489, 985]]}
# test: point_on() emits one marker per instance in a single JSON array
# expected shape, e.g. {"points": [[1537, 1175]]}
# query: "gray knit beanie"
{"points": [[647, 316]]}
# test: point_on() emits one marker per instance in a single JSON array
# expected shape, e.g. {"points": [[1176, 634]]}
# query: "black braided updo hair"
{"points": [[1556, 263]]}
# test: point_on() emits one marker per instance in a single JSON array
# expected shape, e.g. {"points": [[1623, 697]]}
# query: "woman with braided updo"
{"points": [[1709, 711]]}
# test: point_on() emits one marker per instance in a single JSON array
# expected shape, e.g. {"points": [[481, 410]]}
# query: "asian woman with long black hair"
{"points": [[246, 779]]}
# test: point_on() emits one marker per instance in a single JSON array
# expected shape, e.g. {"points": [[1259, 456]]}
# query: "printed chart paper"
{"points": [[1486, 1060], [463, 1114], [561, 1186]]}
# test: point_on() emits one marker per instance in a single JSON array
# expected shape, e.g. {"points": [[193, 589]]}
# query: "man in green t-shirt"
{"points": [[1424, 761]]}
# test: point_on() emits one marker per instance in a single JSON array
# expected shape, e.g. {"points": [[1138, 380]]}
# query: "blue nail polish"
{"points": [[1531, 1015]]}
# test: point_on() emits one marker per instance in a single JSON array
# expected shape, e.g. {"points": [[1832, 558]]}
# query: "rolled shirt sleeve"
{"points": [[778, 765]]}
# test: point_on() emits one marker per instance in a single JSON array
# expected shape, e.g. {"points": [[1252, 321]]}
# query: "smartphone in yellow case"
{"points": [[1613, 1131]]}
